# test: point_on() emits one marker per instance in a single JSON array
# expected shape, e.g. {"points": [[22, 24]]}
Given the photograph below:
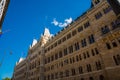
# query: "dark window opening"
{"points": [[91, 39], [73, 72], [89, 68], [59, 42], [96, 50], [69, 36], [74, 32], [108, 46], [80, 70], [83, 42], [114, 44], [65, 52], [60, 54], [106, 10], [93, 53], [98, 15], [80, 28], [70, 49], [87, 24], [117, 59], [77, 58], [105, 30], [77, 47], [87, 54]]}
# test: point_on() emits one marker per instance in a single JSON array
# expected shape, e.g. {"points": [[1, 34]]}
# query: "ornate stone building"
{"points": [[20, 70], [87, 49]]}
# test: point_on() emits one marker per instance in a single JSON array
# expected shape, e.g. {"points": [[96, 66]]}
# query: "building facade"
{"points": [[20, 70], [87, 49], [3, 8]]}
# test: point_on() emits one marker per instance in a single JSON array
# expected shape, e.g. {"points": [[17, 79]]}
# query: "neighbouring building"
{"points": [[20, 70], [87, 49], [3, 8]]}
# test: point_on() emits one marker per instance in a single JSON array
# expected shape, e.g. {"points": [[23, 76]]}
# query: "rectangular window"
{"points": [[98, 15], [89, 68], [70, 49], [115, 24], [66, 61], [80, 28], [64, 39], [77, 58], [83, 42], [87, 24], [87, 54], [96, 51], [51, 46], [52, 76], [107, 9], [80, 57], [108, 46], [73, 60], [70, 60], [114, 44], [91, 39], [73, 72], [65, 52], [60, 54], [80, 70], [56, 75], [98, 65], [117, 59], [48, 59], [105, 30], [59, 42], [74, 32], [84, 55], [118, 40], [67, 73], [61, 74], [69, 36], [56, 56], [77, 47], [93, 53], [52, 58], [55, 44]]}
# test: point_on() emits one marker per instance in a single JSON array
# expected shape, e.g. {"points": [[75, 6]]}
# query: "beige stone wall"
{"points": [[89, 59]]}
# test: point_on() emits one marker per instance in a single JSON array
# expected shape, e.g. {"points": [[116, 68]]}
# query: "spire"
{"points": [[46, 32], [33, 43], [45, 37]]}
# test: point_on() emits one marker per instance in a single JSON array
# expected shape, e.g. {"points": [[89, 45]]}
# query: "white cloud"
{"points": [[59, 24], [68, 21], [55, 22], [62, 24]]}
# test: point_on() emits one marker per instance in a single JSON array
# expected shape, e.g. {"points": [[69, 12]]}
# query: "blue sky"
{"points": [[26, 20]]}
